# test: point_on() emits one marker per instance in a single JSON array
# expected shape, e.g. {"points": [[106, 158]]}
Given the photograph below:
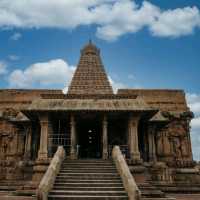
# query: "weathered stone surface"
{"points": [[90, 76], [48, 179], [128, 180]]}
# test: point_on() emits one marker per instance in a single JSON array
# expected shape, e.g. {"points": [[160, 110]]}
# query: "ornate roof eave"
{"points": [[130, 105]]}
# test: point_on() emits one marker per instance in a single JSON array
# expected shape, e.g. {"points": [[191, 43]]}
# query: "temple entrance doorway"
{"points": [[89, 131]]}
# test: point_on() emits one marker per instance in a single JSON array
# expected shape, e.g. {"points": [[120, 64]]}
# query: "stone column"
{"points": [[27, 153], [73, 153], [133, 138], [105, 137], [151, 141], [50, 139], [43, 149]]}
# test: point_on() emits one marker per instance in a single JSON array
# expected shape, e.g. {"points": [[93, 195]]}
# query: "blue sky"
{"points": [[144, 44]]}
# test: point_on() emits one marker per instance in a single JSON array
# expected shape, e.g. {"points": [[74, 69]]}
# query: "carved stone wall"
{"points": [[173, 142], [11, 148]]}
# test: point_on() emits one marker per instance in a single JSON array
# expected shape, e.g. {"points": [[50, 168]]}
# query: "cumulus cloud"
{"points": [[116, 84], [15, 36], [113, 18], [54, 73], [194, 104], [13, 57], [3, 68], [181, 21]]}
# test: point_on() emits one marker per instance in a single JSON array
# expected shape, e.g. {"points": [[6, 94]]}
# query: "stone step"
{"points": [[87, 170], [4, 193], [16, 198], [91, 181], [88, 161], [86, 193], [88, 179], [86, 197], [164, 198], [147, 188], [91, 188], [88, 166], [7, 188], [152, 193], [85, 163], [77, 178], [93, 184], [88, 174], [181, 189]]}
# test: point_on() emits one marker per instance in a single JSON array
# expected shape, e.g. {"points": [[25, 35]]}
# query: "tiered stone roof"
{"points": [[90, 77]]}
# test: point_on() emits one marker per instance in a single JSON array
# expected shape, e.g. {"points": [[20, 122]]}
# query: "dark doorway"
{"points": [[89, 137]]}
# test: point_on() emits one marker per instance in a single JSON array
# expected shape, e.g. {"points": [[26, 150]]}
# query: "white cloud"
{"points": [[194, 104], [126, 17], [13, 57], [16, 36], [181, 21], [116, 84], [54, 73], [3, 68], [113, 18]]}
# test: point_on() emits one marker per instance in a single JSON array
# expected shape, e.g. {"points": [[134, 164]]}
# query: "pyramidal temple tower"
{"points": [[90, 77]]}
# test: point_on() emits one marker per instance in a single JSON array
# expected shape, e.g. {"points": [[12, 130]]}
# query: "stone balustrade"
{"points": [[48, 179], [127, 178]]}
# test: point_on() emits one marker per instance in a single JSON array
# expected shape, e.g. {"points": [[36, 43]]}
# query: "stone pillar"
{"points": [[133, 138], [42, 161], [105, 138], [43, 149], [151, 141], [50, 139], [27, 153], [73, 153]]}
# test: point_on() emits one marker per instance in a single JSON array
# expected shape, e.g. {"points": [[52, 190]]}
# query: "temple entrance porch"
{"points": [[90, 134]]}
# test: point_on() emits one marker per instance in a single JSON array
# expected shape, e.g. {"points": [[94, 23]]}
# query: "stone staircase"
{"points": [[88, 179], [149, 191]]}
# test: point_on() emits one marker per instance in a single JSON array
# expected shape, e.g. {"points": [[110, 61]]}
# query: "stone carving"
{"points": [[9, 113], [173, 141], [163, 144], [10, 151]]}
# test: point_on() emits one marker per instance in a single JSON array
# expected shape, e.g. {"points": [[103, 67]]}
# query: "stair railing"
{"points": [[49, 177], [126, 176]]}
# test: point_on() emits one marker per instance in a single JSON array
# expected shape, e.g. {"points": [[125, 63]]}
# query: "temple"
{"points": [[151, 127]]}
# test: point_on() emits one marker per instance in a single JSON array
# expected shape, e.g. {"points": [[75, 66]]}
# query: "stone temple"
{"points": [[94, 144]]}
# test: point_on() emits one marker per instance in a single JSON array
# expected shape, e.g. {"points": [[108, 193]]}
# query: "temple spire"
{"points": [[90, 77]]}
